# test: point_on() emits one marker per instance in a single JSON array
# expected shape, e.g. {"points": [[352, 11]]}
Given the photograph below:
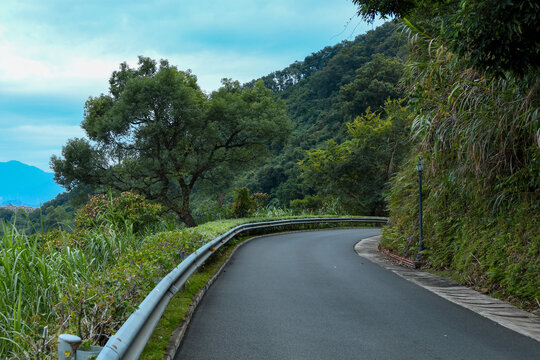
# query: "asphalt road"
{"points": [[308, 295]]}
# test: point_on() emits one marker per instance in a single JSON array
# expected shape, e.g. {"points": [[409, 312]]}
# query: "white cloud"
{"points": [[73, 54], [70, 71], [75, 72]]}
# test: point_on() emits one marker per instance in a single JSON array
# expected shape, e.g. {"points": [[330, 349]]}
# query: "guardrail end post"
{"points": [[67, 346]]}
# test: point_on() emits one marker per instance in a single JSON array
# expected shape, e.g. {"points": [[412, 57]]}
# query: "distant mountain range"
{"points": [[22, 184]]}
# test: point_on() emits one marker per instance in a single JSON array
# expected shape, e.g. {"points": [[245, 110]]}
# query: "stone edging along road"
{"points": [[496, 310]]}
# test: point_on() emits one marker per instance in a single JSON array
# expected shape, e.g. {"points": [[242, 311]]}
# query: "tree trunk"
{"points": [[184, 213], [220, 204], [188, 219]]}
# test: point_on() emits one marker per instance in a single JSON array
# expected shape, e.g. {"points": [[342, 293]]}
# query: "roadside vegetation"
{"points": [[473, 82], [87, 282]]}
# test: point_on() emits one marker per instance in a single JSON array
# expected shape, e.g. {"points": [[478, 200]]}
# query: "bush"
{"points": [[318, 204], [244, 204], [126, 209], [309, 203]]}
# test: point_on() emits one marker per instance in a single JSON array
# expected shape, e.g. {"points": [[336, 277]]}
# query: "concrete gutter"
{"points": [[496, 310]]}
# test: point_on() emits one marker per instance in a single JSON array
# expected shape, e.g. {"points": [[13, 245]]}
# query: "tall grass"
{"points": [[36, 275], [57, 282], [479, 130], [31, 281]]}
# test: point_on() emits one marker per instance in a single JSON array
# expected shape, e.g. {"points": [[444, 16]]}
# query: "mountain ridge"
{"points": [[23, 184]]}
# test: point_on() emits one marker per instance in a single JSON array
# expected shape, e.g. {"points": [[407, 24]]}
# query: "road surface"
{"points": [[308, 295]]}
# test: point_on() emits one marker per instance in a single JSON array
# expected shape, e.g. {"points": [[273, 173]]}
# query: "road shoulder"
{"points": [[496, 310]]}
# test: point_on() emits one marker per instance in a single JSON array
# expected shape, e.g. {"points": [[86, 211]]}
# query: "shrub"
{"points": [[126, 209], [243, 204], [317, 204], [309, 203]]}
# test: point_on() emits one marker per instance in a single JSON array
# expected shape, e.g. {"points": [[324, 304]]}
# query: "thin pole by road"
{"points": [[307, 295]]}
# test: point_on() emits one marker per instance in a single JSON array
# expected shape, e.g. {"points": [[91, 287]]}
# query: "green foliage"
{"points": [[375, 82], [6, 214], [212, 209], [156, 133], [322, 93], [318, 205], [356, 171], [127, 208], [58, 280], [497, 35], [31, 279], [68, 283], [481, 128], [490, 35], [260, 199], [497, 251], [314, 103], [58, 213], [372, 9], [478, 134], [244, 204], [309, 203]]}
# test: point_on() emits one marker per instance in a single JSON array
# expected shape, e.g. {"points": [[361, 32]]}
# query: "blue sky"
{"points": [[57, 53]]}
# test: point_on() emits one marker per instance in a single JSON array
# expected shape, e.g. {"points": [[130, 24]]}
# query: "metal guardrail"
{"points": [[131, 338]]}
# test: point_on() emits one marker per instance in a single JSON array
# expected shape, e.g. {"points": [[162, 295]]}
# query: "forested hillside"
{"points": [[58, 213], [323, 93]]}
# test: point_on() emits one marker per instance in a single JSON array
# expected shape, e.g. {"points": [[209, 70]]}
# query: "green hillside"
{"points": [[322, 93]]}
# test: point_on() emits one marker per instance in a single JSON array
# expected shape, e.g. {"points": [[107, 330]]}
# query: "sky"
{"points": [[57, 53]]}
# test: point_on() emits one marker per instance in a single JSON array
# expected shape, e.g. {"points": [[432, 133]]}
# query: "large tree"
{"points": [[158, 134], [493, 35]]}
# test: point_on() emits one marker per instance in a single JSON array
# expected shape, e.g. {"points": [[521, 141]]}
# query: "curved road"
{"points": [[308, 295]]}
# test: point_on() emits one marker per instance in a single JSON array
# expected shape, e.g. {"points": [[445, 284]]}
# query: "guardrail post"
{"points": [[69, 349], [67, 346]]}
